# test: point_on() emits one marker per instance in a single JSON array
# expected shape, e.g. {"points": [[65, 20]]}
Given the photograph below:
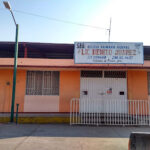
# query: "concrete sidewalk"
{"points": [[64, 137]]}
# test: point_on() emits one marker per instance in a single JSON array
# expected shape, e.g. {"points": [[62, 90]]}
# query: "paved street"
{"points": [[64, 137]]}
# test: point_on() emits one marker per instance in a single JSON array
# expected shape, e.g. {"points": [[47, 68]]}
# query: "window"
{"points": [[114, 74], [148, 80], [91, 74], [42, 83]]}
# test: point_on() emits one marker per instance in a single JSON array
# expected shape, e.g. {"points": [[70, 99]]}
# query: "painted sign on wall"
{"points": [[108, 53]]}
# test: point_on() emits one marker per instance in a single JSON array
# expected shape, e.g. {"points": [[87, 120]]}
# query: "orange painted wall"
{"points": [[20, 89], [6, 78], [5, 90], [137, 90], [137, 85], [69, 88]]}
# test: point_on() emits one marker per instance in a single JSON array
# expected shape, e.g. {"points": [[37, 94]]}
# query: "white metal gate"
{"points": [[96, 85], [103, 101], [138, 112]]}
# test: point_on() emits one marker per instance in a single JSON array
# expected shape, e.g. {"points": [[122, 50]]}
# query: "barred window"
{"points": [[148, 80], [42, 83], [114, 74], [91, 74]]}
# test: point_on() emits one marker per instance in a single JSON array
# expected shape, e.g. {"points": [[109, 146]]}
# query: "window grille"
{"points": [[114, 74], [148, 80], [42, 83], [91, 74]]}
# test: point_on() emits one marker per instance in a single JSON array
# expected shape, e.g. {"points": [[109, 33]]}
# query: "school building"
{"points": [[49, 82]]}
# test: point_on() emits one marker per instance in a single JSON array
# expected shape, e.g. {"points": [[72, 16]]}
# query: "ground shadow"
{"points": [[65, 130]]}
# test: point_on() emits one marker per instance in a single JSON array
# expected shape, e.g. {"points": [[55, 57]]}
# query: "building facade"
{"points": [[48, 78]]}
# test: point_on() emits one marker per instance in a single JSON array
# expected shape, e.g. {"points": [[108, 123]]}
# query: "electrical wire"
{"points": [[59, 20]]}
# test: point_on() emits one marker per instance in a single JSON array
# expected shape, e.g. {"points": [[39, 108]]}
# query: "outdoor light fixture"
{"points": [[7, 6]]}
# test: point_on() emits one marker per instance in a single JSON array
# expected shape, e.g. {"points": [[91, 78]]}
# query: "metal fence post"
{"points": [[17, 113]]}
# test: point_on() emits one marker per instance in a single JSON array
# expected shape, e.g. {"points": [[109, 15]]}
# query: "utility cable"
{"points": [[58, 20]]}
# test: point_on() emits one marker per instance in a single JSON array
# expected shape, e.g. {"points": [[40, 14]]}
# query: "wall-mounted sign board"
{"points": [[108, 53]]}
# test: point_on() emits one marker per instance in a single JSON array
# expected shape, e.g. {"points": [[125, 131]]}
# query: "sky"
{"points": [[130, 21]]}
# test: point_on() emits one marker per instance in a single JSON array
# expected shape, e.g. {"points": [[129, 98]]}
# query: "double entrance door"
{"points": [[103, 91]]}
